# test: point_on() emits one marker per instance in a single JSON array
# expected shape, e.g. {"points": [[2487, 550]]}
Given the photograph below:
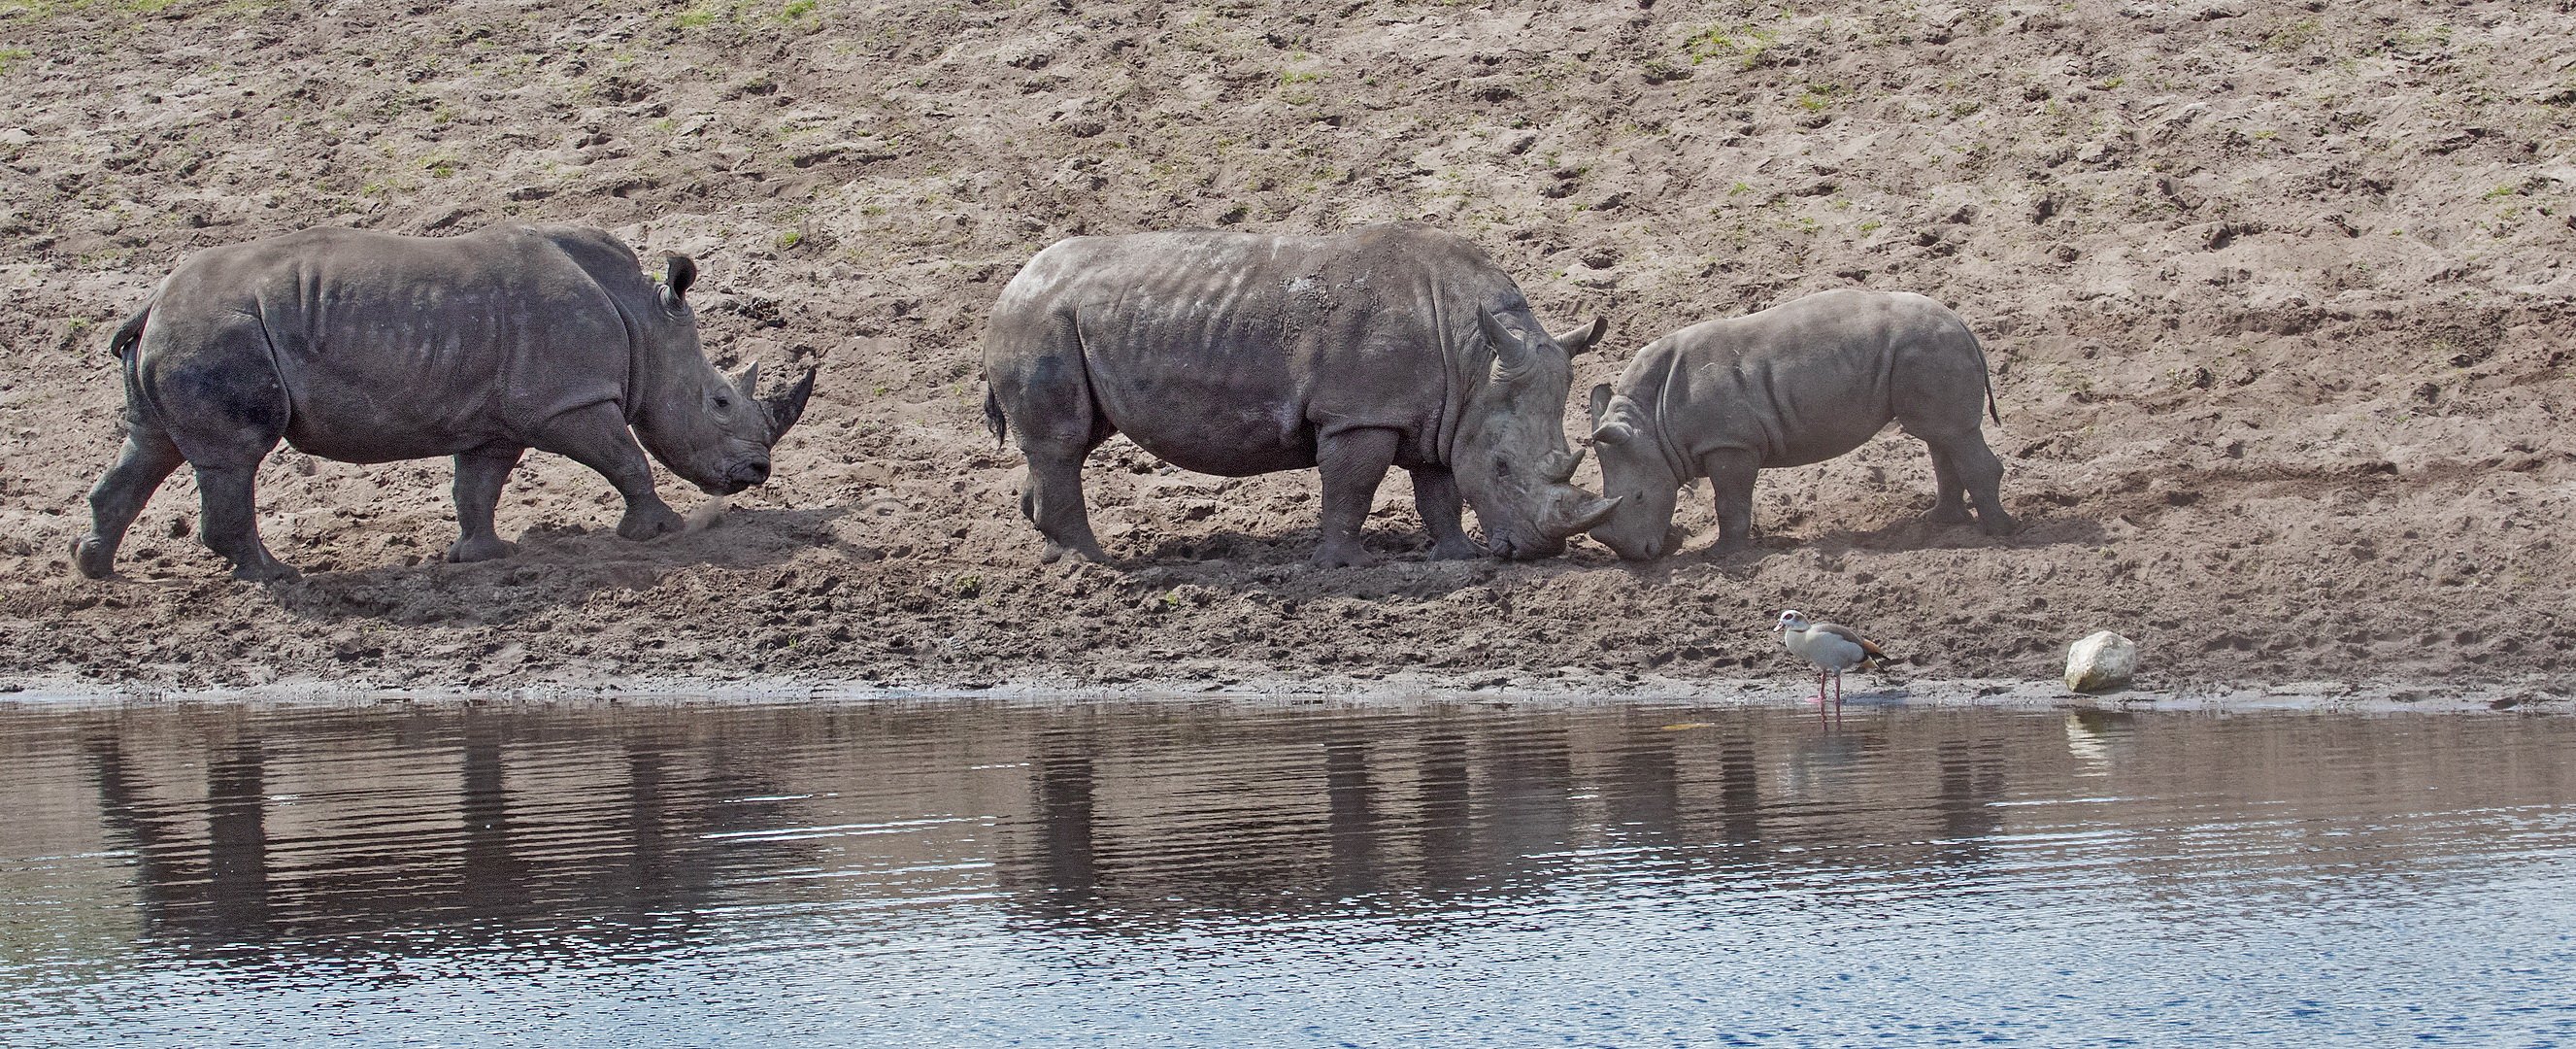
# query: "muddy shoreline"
{"points": [[2535, 696], [2277, 303]]}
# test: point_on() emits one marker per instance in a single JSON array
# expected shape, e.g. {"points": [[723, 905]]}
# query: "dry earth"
{"points": [[2278, 296]]}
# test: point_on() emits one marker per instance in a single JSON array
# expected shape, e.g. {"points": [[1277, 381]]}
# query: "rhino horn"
{"points": [[1591, 512], [746, 379], [1560, 467], [1511, 354], [788, 407]]}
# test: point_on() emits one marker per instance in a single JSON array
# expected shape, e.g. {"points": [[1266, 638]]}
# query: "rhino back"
{"points": [[395, 347], [1231, 353], [1809, 379]]}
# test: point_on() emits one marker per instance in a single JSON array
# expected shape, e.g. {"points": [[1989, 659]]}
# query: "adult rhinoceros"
{"points": [[1239, 354], [1798, 383], [368, 347]]}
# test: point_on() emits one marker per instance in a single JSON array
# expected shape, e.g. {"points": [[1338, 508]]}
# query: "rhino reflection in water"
{"points": [[461, 838], [1240, 354], [368, 347]]}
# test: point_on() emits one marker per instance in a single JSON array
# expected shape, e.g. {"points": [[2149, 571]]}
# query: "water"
{"points": [[1248, 873]]}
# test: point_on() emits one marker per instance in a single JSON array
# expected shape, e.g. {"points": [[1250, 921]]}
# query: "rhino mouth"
{"points": [[1646, 551], [1576, 512], [1524, 550], [737, 477]]}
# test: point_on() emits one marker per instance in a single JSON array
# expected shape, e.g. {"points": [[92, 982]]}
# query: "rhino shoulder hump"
{"points": [[579, 241]]}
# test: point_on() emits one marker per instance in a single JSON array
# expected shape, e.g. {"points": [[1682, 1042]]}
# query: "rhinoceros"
{"points": [[1239, 353], [368, 347], [1798, 383]]}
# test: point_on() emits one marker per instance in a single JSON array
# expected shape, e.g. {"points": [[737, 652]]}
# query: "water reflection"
{"points": [[604, 836], [1062, 875], [480, 825], [483, 820], [217, 892]]}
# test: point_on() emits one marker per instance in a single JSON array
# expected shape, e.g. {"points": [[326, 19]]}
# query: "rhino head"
{"points": [[712, 429], [1510, 456], [1635, 471]]}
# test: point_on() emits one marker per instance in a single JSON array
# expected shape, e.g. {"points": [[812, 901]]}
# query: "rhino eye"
{"points": [[1502, 467], [723, 402]]}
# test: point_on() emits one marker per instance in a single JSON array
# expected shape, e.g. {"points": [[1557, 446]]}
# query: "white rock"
{"points": [[2101, 662]]}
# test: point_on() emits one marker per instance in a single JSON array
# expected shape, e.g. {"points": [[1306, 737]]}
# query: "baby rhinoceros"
{"points": [[1794, 384], [368, 347]]}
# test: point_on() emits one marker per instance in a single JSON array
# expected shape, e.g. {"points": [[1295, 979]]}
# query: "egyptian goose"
{"points": [[1832, 648]]}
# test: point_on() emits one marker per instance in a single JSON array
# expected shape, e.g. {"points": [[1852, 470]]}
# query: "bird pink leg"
{"points": [[1838, 696]]}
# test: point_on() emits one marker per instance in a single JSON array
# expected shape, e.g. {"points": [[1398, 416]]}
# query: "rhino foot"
{"points": [[488, 548], [1072, 555], [1947, 515], [94, 559], [648, 522], [1998, 524], [1342, 557], [1455, 550], [268, 572]]}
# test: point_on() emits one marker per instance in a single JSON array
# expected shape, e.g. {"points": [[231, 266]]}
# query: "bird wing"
{"points": [[1868, 647]]}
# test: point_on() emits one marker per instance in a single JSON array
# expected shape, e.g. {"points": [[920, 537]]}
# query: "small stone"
{"points": [[2101, 662]]}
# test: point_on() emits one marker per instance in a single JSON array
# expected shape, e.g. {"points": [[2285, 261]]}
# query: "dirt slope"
{"points": [[2279, 300]]}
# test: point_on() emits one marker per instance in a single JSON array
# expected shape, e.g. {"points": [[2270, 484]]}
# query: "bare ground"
{"points": [[2279, 301]]}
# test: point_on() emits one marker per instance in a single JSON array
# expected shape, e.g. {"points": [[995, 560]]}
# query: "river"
{"points": [[1254, 872]]}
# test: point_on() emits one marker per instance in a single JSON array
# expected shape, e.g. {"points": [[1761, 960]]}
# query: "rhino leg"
{"points": [[1352, 462], [597, 437], [1731, 472], [148, 459], [1982, 475], [479, 476], [226, 412], [1944, 414], [1435, 497], [1041, 388], [228, 495], [1053, 501], [1949, 497]]}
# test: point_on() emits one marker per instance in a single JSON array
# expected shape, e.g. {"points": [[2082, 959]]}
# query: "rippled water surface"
{"points": [[1248, 873]]}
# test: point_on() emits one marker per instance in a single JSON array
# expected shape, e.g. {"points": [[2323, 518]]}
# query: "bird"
{"points": [[1833, 649]]}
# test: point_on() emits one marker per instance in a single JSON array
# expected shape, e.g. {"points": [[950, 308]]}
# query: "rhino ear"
{"points": [[678, 272], [1582, 339], [747, 379], [1606, 429]]}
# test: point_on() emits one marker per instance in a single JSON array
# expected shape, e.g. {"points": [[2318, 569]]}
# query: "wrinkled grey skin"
{"points": [[368, 347], [1239, 354], [1795, 384]]}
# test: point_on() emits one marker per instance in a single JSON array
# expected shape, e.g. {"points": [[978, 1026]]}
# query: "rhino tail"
{"points": [[129, 333], [1983, 371], [993, 418], [1991, 413]]}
